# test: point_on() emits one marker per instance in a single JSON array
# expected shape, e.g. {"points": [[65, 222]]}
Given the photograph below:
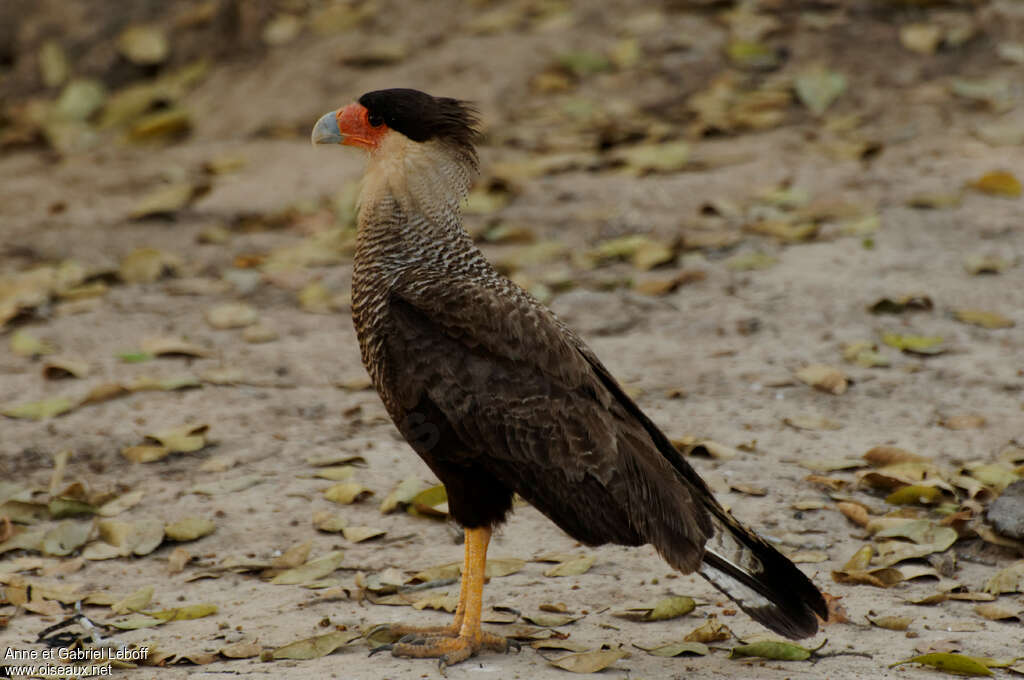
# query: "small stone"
{"points": [[1006, 513]]}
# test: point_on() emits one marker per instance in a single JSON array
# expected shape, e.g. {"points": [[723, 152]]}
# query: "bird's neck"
{"points": [[409, 203]]}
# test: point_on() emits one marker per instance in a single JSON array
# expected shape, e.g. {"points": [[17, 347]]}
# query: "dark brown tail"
{"points": [[762, 581]]}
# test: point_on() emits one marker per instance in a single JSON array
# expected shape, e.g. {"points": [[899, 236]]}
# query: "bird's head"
{"points": [[418, 144], [420, 118]]}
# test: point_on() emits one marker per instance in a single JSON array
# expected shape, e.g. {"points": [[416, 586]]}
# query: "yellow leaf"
{"points": [[998, 183], [189, 529], [914, 494], [346, 493], [952, 663], [24, 344], [573, 567], [982, 318], [914, 344], [134, 602], [187, 613], [39, 410], [358, 534]]}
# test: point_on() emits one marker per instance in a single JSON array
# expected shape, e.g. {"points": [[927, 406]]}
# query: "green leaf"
{"points": [[39, 410], [134, 357], [915, 344], [957, 664], [772, 649], [668, 608], [818, 87]]}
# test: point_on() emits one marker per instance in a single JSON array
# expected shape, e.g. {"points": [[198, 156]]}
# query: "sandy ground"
{"points": [[688, 355]]}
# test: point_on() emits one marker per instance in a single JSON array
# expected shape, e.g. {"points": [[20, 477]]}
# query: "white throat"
{"points": [[425, 178]]}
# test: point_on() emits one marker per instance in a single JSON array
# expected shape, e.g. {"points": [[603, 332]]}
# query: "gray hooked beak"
{"points": [[326, 130]]}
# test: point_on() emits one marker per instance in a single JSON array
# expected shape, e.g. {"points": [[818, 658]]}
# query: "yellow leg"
{"points": [[464, 637], [453, 628]]}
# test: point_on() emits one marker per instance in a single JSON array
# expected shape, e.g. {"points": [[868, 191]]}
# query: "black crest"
{"points": [[421, 117]]}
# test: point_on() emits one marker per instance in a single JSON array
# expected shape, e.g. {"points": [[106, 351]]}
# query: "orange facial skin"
{"points": [[354, 126]]}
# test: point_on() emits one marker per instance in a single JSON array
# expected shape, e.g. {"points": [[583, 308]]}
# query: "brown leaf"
{"points": [[855, 512], [712, 630], [963, 421], [891, 622], [880, 456], [294, 556], [177, 560]]}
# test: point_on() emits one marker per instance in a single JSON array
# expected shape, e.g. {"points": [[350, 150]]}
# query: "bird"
{"points": [[500, 397]]}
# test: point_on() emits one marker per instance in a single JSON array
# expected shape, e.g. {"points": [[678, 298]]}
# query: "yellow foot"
{"points": [[399, 630], [447, 649]]}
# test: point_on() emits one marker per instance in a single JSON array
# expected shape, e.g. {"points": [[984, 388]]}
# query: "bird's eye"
{"points": [[374, 119]]}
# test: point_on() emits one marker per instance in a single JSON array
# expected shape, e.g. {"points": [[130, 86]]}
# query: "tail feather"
{"points": [[762, 581]]}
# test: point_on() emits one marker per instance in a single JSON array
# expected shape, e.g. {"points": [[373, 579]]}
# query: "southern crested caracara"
{"points": [[499, 397]]}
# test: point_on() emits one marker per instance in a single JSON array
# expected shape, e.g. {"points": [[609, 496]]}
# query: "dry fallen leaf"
{"points": [[957, 664], [963, 421], [982, 318], [817, 88], [231, 315], [315, 647], [677, 649], [824, 378], [1007, 580], [573, 567], [134, 602], [662, 610], [998, 183], [881, 456], [772, 649], [358, 534], [986, 264], [915, 344], [190, 529], [311, 571], [346, 493], [588, 662]]}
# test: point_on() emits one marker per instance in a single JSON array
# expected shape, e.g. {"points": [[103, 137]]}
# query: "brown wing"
{"points": [[535, 406], [526, 404]]}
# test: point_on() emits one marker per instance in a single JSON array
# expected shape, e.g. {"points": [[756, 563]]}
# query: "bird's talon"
{"points": [[382, 648]]}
